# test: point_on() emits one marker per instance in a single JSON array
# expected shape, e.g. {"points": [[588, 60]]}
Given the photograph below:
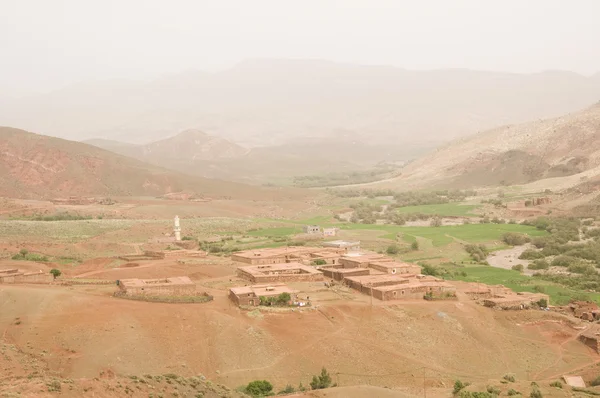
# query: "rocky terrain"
{"points": [[513, 154], [35, 166]]}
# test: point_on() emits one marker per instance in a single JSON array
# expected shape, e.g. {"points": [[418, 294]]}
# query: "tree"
{"points": [[518, 267], [283, 298], [321, 381], [259, 388], [436, 222], [414, 245], [24, 252], [319, 261], [55, 273], [392, 249]]}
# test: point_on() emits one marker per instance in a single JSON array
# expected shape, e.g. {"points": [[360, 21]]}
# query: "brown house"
{"points": [[287, 272], [175, 286], [340, 274], [394, 267], [250, 295]]}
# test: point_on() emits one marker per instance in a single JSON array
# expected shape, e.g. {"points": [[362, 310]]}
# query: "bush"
{"points": [[393, 249], [535, 393], [436, 222], [515, 239], [582, 268], [539, 264], [518, 267], [287, 390], [493, 390], [563, 261], [259, 388], [509, 378], [459, 386], [319, 261], [556, 384], [428, 269], [477, 252], [513, 392], [543, 303], [414, 245], [596, 381], [321, 381], [55, 273], [531, 254]]}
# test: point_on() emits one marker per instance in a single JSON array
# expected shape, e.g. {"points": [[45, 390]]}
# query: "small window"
{"points": [[393, 270], [395, 293], [403, 292]]}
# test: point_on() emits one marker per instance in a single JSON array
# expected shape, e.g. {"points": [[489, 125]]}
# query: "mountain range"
{"points": [[269, 102]]}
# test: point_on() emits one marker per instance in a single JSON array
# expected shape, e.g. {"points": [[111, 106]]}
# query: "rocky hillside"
{"points": [[512, 154], [37, 166]]}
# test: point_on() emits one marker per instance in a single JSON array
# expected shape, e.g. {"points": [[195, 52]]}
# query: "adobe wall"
{"points": [[41, 277], [259, 260], [590, 342], [288, 278], [161, 290]]}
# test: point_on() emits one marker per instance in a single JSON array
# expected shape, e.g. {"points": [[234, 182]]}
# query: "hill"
{"points": [[268, 102], [512, 154], [37, 166], [197, 153]]}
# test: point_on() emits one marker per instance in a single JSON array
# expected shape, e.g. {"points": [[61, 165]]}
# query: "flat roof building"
{"points": [[340, 274], [343, 244], [250, 295], [174, 286], [362, 260], [14, 275], [287, 272], [394, 267], [277, 255]]}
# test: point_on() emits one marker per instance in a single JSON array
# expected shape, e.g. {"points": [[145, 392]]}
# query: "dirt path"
{"points": [[506, 259]]}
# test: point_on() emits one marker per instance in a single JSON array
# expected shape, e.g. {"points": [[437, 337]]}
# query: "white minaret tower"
{"points": [[177, 229]]}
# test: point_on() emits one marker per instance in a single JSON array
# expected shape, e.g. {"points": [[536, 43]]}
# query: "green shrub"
{"points": [[414, 245], [515, 239], [259, 388], [319, 261], [321, 381], [513, 392], [55, 273], [563, 261], [509, 377], [393, 249], [536, 393], [493, 390], [287, 390], [531, 254], [539, 264], [458, 386], [518, 267], [556, 384]]}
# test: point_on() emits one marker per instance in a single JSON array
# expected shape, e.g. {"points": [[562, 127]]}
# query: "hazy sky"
{"points": [[46, 44]]}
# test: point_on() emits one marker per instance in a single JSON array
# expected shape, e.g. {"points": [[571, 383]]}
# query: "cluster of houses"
{"points": [[370, 273], [14, 275]]}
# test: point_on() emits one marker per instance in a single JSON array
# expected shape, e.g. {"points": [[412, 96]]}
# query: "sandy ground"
{"points": [[508, 258]]}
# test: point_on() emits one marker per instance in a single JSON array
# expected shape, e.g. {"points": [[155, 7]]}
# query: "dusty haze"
{"points": [[47, 45]]}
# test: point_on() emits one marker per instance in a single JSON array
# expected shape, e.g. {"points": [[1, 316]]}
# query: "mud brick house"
{"points": [[14, 275], [287, 272], [478, 291], [339, 274], [591, 337], [250, 295], [167, 254], [393, 267], [273, 256], [311, 229], [349, 246], [330, 232], [175, 286], [361, 260], [365, 283], [516, 301], [414, 290]]}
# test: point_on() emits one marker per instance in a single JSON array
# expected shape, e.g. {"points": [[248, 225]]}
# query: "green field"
{"points": [[520, 283], [440, 236], [444, 209], [281, 231]]}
